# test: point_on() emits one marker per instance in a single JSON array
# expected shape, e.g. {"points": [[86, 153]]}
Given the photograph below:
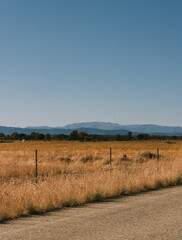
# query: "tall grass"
{"points": [[76, 173]]}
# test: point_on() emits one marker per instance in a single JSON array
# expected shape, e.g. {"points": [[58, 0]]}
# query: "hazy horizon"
{"points": [[89, 122]]}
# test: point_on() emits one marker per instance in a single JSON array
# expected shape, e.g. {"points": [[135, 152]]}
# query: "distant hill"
{"points": [[153, 129], [143, 128], [102, 131], [96, 125], [54, 131], [39, 127], [103, 128]]}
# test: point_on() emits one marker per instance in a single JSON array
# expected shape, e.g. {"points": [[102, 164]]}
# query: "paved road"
{"points": [[152, 215]]}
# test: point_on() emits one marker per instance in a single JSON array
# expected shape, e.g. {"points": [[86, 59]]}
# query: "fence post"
{"points": [[110, 158], [157, 154], [36, 166]]}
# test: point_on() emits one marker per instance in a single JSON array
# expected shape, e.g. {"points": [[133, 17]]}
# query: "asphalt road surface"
{"points": [[151, 215]]}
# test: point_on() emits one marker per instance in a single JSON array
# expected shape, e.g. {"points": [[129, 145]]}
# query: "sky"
{"points": [[66, 61]]}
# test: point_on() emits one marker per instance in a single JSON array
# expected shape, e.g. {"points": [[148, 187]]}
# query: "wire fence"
{"points": [[37, 164]]}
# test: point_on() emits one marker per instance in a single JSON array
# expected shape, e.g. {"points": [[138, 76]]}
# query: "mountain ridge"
{"points": [[105, 128], [54, 131], [140, 128]]}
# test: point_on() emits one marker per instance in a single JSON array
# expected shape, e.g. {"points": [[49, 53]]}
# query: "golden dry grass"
{"points": [[71, 173]]}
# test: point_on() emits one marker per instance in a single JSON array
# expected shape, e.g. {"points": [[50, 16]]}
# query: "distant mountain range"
{"points": [[140, 128], [54, 131], [97, 125], [103, 128]]}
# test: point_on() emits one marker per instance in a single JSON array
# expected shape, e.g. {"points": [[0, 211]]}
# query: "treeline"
{"points": [[84, 137]]}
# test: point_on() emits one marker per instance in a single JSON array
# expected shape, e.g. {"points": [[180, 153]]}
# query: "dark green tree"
{"points": [[73, 135], [47, 137], [82, 136], [15, 136], [2, 135], [129, 136]]}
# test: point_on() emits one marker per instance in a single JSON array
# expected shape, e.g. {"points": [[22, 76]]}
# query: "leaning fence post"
{"points": [[36, 166]]}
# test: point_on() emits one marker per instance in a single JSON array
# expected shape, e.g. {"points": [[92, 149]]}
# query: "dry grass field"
{"points": [[71, 173]]}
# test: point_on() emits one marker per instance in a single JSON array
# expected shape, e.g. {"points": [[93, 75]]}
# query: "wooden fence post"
{"points": [[36, 166], [110, 158], [157, 154]]}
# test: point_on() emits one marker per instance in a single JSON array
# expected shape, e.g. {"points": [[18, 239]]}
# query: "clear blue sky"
{"points": [[64, 61]]}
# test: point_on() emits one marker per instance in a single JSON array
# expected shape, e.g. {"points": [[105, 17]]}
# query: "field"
{"points": [[71, 173]]}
